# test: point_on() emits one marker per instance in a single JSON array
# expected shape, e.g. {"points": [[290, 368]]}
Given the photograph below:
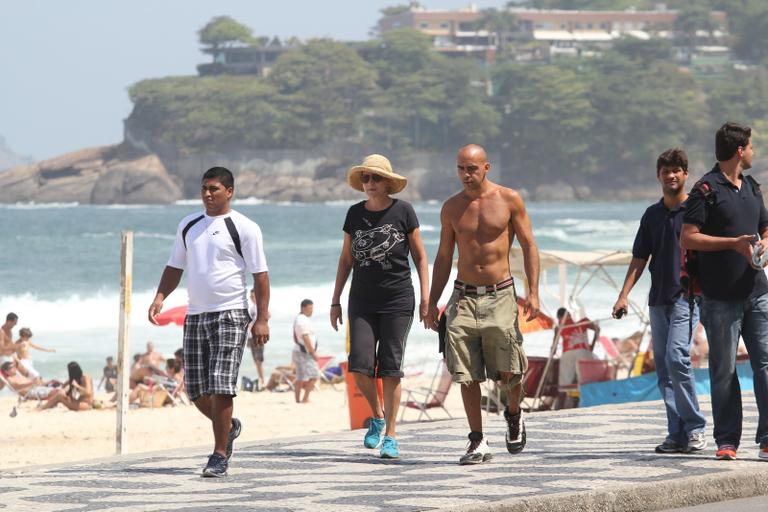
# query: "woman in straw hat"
{"points": [[378, 235]]}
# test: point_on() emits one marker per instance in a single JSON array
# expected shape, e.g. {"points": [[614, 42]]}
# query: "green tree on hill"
{"points": [[209, 113], [223, 31], [642, 111], [547, 122], [323, 87]]}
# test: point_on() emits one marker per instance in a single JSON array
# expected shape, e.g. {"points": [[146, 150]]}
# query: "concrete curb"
{"points": [[657, 496]]}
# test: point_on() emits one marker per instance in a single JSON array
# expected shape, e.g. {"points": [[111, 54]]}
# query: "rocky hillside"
{"points": [[102, 175]]}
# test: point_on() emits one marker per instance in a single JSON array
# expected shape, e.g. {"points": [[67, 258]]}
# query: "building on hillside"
{"points": [[464, 31], [241, 60]]}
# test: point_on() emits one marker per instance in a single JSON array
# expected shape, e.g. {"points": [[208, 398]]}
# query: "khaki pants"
{"points": [[483, 338]]}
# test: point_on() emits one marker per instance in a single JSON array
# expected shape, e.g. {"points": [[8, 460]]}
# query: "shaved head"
{"points": [[473, 152], [472, 165]]}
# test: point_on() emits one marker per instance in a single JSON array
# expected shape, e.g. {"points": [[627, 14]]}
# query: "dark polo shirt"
{"points": [[658, 238], [727, 275]]}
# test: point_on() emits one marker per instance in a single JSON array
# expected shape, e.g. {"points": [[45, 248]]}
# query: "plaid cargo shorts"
{"points": [[213, 349]]}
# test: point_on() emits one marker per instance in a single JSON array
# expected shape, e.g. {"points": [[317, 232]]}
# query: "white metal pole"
{"points": [[563, 282], [123, 343]]}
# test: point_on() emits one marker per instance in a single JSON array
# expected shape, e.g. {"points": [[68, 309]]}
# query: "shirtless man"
{"points": [[482, 335], [7, 348], [152, 357], [18, 378]]}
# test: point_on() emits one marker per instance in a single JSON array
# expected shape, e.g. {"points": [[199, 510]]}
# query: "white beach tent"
{"points": [[590, 264]]}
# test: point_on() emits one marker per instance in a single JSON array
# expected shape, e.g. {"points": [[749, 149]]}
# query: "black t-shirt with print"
{"points": [[381, 276]]}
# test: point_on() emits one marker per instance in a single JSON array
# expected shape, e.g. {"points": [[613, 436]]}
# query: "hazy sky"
{"points": [[65, 66]]}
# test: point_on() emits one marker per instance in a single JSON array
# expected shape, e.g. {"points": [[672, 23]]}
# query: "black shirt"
{"points": [[381, 277], [727, 275], [658, 237]]}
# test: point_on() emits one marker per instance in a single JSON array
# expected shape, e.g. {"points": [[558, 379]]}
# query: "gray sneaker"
{"points": [[696, 443]]}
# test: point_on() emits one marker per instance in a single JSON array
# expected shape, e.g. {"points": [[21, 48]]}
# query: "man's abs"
{"points": [[485, 264]]}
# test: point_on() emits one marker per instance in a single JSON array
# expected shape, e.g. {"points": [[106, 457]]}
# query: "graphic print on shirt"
{"points": [[375, 245]]}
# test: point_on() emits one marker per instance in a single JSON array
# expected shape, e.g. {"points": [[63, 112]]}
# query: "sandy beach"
{"points": [[46, 437]]}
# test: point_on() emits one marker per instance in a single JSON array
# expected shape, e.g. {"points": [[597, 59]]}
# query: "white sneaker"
{"points": [[696, 443], [477, 450]]}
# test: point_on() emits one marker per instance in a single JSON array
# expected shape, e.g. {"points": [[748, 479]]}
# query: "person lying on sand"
{"points": [[26, 386]]}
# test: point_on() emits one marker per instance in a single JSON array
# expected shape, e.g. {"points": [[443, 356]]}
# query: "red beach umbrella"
{"points": [[174, 315]]}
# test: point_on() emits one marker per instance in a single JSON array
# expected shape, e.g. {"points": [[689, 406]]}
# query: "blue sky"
{"points": [[65, 66]]}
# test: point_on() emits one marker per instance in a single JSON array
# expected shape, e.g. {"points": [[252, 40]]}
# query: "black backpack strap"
{"points": [[234, 234], [188, 227], [707, 192]]}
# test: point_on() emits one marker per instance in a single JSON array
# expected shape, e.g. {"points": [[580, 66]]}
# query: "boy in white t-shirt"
{"points": [[304, 355], [217, 249]]}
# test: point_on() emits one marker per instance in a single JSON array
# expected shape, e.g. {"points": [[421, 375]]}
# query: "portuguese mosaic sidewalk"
{"points": [[597, 458]]}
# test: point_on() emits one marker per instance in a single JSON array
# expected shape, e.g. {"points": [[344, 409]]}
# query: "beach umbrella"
{"points": [[174, 315]]}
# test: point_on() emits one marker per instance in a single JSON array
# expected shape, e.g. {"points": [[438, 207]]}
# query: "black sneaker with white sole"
{"points": [[669, 446], [217, 466], [515, 431], [477, 450], [234, 433]]}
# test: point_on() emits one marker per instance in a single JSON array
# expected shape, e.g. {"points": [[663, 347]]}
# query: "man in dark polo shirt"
{"points": [[671, 316], [724, 217]]}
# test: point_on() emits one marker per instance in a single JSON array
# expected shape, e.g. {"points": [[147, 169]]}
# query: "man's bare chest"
{"points": [[484, 222]]}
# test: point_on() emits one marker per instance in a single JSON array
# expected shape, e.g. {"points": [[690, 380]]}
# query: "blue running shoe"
{"points": [[389, 448], [373, 436]]}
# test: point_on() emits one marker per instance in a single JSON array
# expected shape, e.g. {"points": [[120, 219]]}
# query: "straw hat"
{"points": [[376, 164]]}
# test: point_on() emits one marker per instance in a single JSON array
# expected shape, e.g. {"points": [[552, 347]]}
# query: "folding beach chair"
{"points": [[323, 363], [540, 395], [595, 370], [174, 389], [4, 384], [425, 398]]}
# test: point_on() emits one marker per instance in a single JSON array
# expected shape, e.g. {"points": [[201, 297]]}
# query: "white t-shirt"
{"points": [[303, 325], [216, 274]]}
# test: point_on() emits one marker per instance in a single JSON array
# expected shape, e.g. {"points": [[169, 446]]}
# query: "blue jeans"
{"points": [[724, 321], [672, 337]]}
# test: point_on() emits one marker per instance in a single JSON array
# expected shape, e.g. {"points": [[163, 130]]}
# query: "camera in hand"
{"points": [[620, 313]]}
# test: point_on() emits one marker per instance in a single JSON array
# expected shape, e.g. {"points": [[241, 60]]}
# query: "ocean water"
{"points": [[60, 272]]}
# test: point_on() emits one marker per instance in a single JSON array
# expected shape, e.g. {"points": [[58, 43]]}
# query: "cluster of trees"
{"points": [[575, 119]]}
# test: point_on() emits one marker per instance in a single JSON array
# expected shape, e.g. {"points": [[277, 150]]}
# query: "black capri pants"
{"points": [[377, 343]]}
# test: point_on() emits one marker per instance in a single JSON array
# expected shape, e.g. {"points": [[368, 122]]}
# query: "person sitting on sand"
{"points": [[22, 346], [152, 357], [77, 393], [172, 381], [139, 371]]}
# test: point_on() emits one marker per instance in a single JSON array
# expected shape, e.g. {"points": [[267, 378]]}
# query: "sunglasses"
{"points": [[365, 178]]}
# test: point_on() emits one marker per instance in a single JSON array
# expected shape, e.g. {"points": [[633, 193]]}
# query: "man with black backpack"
{"points": [[217, 248], [726, 223]]}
